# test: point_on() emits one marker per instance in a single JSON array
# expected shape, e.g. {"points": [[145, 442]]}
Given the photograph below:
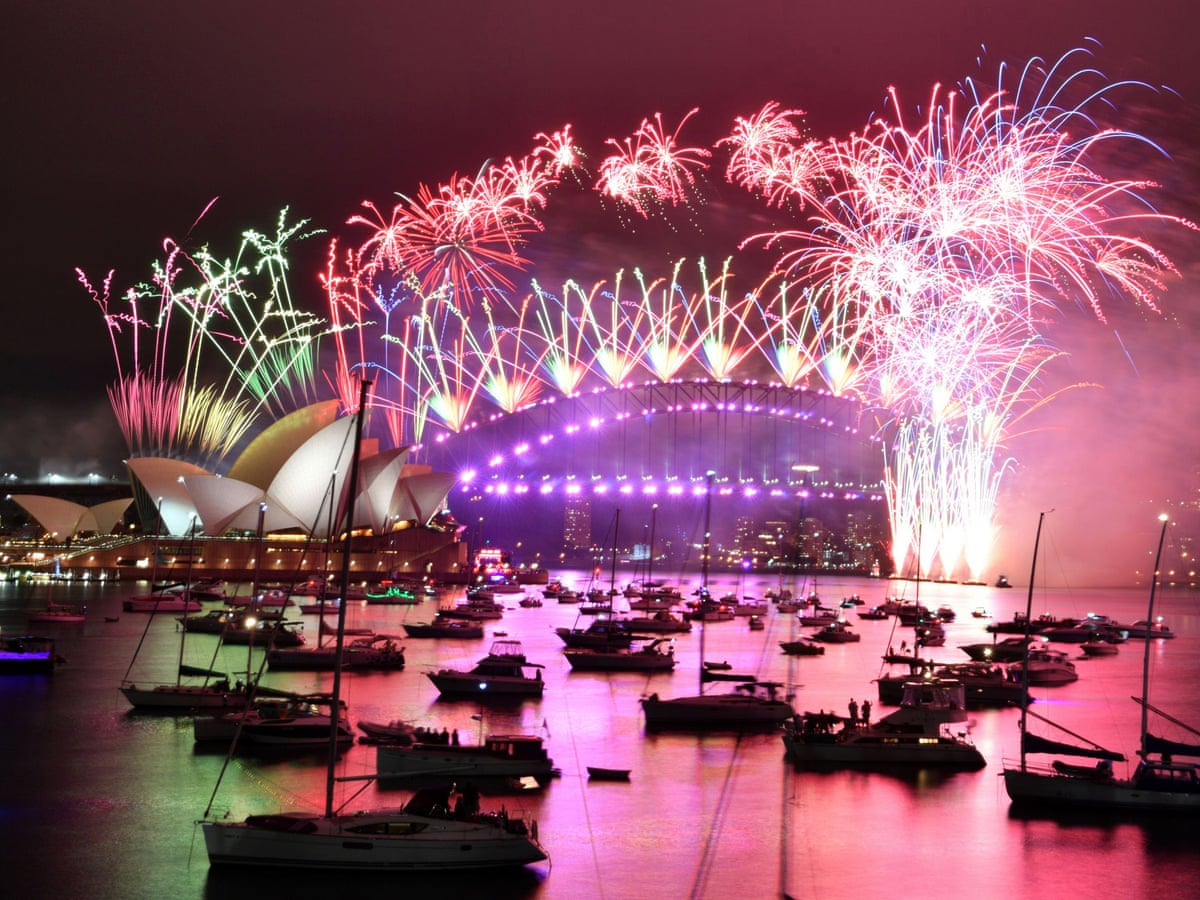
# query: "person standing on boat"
{"points": [[853, 713], [866, 712]]}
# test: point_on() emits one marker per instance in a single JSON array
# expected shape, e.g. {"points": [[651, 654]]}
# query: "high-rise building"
{"points": [[577, 523]]}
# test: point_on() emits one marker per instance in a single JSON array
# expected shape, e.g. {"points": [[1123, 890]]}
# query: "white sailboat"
{"points": [[751, 705], [424, 835], [1158, 783]]}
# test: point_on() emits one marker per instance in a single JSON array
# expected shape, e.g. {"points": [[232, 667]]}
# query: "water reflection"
{"points": [[710, 816]]}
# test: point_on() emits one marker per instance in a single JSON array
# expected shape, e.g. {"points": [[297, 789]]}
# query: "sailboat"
{"points": [[1158, 784], [751, 705], [213, 693], [426, 834]]}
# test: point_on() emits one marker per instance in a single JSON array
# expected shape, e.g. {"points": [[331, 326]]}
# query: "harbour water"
{"points": [[99, 802]]}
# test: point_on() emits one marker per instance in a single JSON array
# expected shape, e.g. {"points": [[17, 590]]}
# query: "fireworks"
{"points": [[919, 271], [650, 169], [239, 308]]}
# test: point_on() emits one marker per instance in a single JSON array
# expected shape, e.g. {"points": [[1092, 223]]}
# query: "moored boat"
{"points": [[26, 654], [498, 756], [919, 733], [504, 672], [656, 656], [444, 627], [59, 612]]}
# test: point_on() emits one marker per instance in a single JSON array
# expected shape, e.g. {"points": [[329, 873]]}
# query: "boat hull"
{"points": [[583, 660], [869, 750], [457, 763], [371, 842], [461, 684], [717, 712], [1037, 787], [182, 697]]}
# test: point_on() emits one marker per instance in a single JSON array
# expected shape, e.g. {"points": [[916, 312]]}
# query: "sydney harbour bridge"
{"points": [[773, 450]]}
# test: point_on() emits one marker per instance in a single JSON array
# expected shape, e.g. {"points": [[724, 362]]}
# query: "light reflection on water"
{"points": [[704, 816]]}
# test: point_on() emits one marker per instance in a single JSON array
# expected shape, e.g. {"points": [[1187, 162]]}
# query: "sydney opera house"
{"points": [[277, 514]]}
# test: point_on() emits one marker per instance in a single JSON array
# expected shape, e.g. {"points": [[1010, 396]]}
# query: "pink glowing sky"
{"points": [[124, 120]]}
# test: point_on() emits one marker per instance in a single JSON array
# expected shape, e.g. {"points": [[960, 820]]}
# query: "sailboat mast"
{"points": [[187, 595], [336, 701], [650, 557], [1149, 623], [612, 578], [710, 475], [1028, 614]]}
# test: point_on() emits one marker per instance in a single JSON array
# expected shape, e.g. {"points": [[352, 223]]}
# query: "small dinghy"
{"points": [[597, 773]]}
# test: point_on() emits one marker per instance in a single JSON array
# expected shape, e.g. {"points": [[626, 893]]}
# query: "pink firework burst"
{"points": [[651, 168]]}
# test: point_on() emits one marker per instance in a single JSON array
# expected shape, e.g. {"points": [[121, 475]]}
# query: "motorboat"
{"points": [[504, 672], [394, 595], [377, 651], [169, 601], [985, 685], [802, 647], [604, 773], [59, 612], [207, 589], [1098, 646], [919, 733], [27, 654], [875, 613], [395, 731], [837, 632], [478, 606], [930, 633], [819, 617], [263, 632], [601, 634], [655, 656], [1045, 667], [219, 621], [444, 627], [272, 598], [1010, 649], [1152, 629], [1022, 624], [498, 756]]}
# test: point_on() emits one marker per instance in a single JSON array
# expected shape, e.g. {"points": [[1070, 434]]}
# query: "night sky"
{"points": [[125, 120]]}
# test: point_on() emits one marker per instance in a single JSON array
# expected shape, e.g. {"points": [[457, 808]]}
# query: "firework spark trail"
{"points": [[650, 169], [567, 355]]}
